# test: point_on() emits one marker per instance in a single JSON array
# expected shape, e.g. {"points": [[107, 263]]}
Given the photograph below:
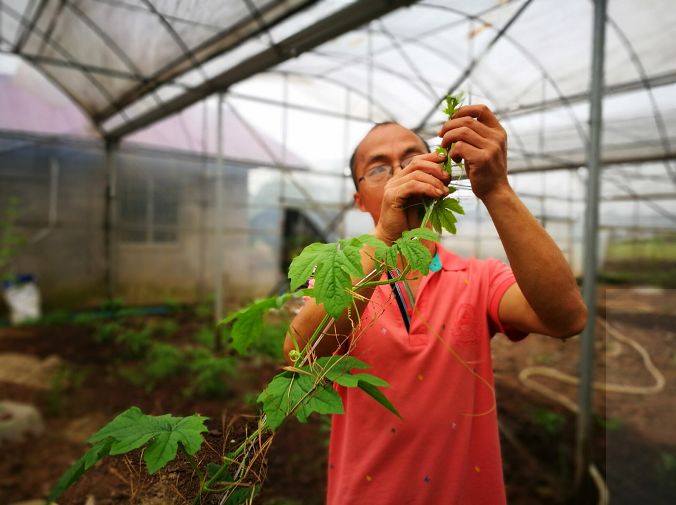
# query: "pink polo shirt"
{"points": [[446, 449]]}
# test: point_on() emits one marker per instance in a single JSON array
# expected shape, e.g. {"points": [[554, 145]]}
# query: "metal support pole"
{"points": [[110, 218], [583, 448], [218, 224]]}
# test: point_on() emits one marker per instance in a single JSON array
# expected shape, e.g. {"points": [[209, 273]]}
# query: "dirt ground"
{"points": [[634, 443]]}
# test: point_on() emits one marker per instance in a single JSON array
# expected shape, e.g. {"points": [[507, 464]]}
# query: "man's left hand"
{"points": [[479, 140]]}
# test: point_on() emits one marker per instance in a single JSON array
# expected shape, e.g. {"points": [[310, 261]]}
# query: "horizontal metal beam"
{"points": [[641, 196], [613, 89], [223, 41], [324, 30], [574, 164], [302, 108]]}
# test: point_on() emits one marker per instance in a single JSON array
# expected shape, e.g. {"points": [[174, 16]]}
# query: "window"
{"points": [[148, 208]]}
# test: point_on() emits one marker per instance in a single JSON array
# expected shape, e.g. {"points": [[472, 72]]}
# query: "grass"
{"points": [[649, 262]]}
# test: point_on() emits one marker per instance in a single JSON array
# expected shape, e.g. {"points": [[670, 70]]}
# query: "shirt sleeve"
{"points": [[500, 278]]}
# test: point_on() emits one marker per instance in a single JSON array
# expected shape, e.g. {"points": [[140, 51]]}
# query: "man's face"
{"points": [[388, 144]]}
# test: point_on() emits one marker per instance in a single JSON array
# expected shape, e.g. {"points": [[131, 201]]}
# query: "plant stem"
{"points": [[193, 463]]}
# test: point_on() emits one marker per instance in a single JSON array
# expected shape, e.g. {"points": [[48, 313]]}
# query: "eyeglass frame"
{"points": [[390, 168]]}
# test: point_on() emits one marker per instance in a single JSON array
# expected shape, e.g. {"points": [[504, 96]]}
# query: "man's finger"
{"points": [[468, 153], [480, 112], [469, 122], [467, 135], [431, 167]]}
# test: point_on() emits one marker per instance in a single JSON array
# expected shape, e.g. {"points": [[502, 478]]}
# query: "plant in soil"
{"points": [[299, 390]]}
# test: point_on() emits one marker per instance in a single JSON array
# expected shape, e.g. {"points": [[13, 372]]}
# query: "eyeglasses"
{"points": [[381, 173]]}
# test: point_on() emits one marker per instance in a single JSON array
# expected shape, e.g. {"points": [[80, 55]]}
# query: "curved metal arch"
{"points": [[187, 53], [23, 36], [155, 80], [68, 58], [406, 40], [446, 58], [364, 60], [406, 59], [388, 114], [112, 45], [534, 61], [659, 120], [483, 90]]}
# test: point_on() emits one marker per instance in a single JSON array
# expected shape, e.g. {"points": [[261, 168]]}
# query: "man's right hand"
{"points": [[403, 194]]}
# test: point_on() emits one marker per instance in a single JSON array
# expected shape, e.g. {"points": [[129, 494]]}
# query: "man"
{"points": [[433, 346]]}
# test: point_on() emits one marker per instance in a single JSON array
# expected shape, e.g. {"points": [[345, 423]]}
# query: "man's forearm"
{"points": [[541, 270]]}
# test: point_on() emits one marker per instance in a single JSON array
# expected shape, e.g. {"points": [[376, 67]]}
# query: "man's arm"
{"points": [[423, 177], [545, 298]]}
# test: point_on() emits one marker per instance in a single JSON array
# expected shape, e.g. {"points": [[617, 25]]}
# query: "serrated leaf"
{"points": [[331, 285], [415, 252], [442, 216], [302, 265], [323, 400], [454, 205], [339, 369], [333, 265], [287, 392], [75, 471], [123, 425], [389, 256], [372, 241], [421, 233], [133, 429], [248, 321], [333, 366], [447, 164], [349, 259]]}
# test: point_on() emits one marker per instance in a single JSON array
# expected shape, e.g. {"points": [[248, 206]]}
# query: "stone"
{"points": [[18, 420]]}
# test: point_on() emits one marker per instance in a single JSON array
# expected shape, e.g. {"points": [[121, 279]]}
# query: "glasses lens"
{"points": [[405, 162], [378, 174]]}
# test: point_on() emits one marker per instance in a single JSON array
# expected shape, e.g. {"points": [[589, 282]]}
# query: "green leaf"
{"points": [[132, 429], [162, 434], [349, 259], [353, 381], [415, 252], [334, 265], [301, 393], [324, 400], [302, 265], [442, 217], [96, 453], [421, 233], [334, 366], [338, 369], [378, 396], [453, 103], [389, 256], [331, 285], [372, 241], [447, 164], [248, 321]]}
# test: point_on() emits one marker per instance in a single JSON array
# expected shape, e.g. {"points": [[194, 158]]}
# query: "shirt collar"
{"points": [[450, 261]]}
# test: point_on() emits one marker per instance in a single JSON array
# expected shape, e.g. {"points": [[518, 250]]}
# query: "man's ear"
{"points": [[358, 202]]}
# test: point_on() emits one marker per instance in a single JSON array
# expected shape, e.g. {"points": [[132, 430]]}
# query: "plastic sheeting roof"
{"points": [[128, 63]]}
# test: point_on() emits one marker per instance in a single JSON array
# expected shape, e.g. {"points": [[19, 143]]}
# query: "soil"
{"points": [[633, 443]]}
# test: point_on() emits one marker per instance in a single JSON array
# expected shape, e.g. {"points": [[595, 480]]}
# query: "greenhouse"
{"points": [[163, 163]]}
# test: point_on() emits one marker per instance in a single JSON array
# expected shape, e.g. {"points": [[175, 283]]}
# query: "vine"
{"points": [[304, 388]]}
